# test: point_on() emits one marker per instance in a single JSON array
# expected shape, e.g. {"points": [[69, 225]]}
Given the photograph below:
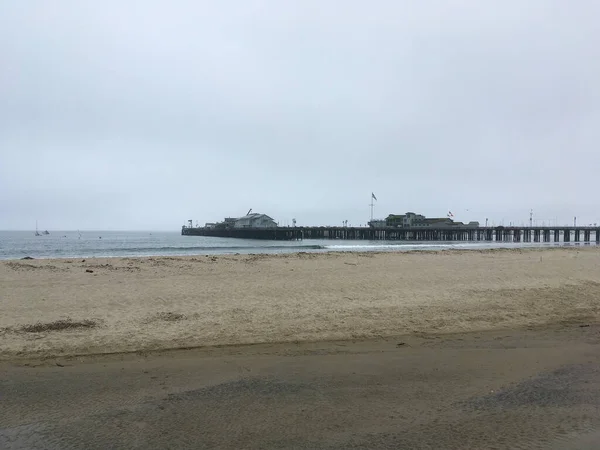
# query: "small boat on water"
{"points": [[37, 233]]}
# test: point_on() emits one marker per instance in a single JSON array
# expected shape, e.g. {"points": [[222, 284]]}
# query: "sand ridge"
{"points": [[173, 302]]}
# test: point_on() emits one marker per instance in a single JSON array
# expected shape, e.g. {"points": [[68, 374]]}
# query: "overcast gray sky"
{"points": [[142, 114]]}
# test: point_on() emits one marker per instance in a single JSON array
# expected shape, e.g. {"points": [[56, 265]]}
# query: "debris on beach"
{"points": [[58, 325], [165, 316]]}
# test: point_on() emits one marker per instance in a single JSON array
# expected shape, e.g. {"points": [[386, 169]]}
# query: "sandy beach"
{"points": [[451, 350], [94, 306]]}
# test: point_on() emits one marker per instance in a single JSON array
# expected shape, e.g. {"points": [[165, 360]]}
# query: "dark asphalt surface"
{"points": [[531, 389]]}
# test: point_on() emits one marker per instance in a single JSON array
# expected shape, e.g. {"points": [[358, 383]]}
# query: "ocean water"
{"points": [[73, 244]]}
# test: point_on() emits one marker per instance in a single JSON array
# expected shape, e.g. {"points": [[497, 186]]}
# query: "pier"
{"points": [[458, 234]]}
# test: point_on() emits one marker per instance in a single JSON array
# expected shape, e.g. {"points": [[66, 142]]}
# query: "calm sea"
{"points": [[73, 244]]}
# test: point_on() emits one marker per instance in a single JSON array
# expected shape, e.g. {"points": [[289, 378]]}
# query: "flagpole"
{"points": [[372, 204]]}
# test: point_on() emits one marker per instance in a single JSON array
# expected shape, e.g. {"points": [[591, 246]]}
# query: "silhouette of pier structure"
{"points": [[460, 234]]}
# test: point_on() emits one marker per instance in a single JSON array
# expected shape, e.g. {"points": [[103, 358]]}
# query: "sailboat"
{"points": [[37, 233]]}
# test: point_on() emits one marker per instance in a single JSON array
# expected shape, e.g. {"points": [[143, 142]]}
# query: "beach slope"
{"points": [[106, 305]]}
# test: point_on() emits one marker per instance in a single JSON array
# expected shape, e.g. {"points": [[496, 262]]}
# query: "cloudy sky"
{"points": [[142, 114]]}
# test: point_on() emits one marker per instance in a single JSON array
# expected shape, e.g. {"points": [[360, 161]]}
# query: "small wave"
{"points": [[386, 246], [213, 248]]}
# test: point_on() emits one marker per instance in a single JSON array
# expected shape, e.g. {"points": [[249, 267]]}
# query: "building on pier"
{"points": [[255, 220], [250, 220], [412, 220], [378, 223]]}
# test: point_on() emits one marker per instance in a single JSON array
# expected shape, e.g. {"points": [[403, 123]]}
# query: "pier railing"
{"points": [[466, 234]]}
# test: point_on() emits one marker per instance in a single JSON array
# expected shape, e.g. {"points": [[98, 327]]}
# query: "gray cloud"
{"points": [[127, 115]]}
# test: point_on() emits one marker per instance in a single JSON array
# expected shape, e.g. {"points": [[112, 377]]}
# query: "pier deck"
{"points": [[489, 234]]}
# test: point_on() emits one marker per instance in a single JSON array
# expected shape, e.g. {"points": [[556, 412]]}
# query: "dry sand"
{"points": [[128, 304]]}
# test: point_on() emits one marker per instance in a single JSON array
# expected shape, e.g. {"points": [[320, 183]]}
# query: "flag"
{"points": [[373, 196]]}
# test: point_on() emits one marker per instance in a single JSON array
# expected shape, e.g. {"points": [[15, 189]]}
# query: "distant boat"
{"points": [[37, 233], [45, 232]]}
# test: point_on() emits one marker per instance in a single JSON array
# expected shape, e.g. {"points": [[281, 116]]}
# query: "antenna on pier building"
{"points": [[531, 218]]}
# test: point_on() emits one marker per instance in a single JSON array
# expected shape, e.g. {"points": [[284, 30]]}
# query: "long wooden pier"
{"points": [[489, 234]]}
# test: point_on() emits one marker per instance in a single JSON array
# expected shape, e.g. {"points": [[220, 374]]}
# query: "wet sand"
{"points": [[130, 304], [514, 389]]}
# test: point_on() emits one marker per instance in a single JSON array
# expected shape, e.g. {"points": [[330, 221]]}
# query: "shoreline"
{"points": [[148, 304], [324, 249], [295, 348], [180, 249]]}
